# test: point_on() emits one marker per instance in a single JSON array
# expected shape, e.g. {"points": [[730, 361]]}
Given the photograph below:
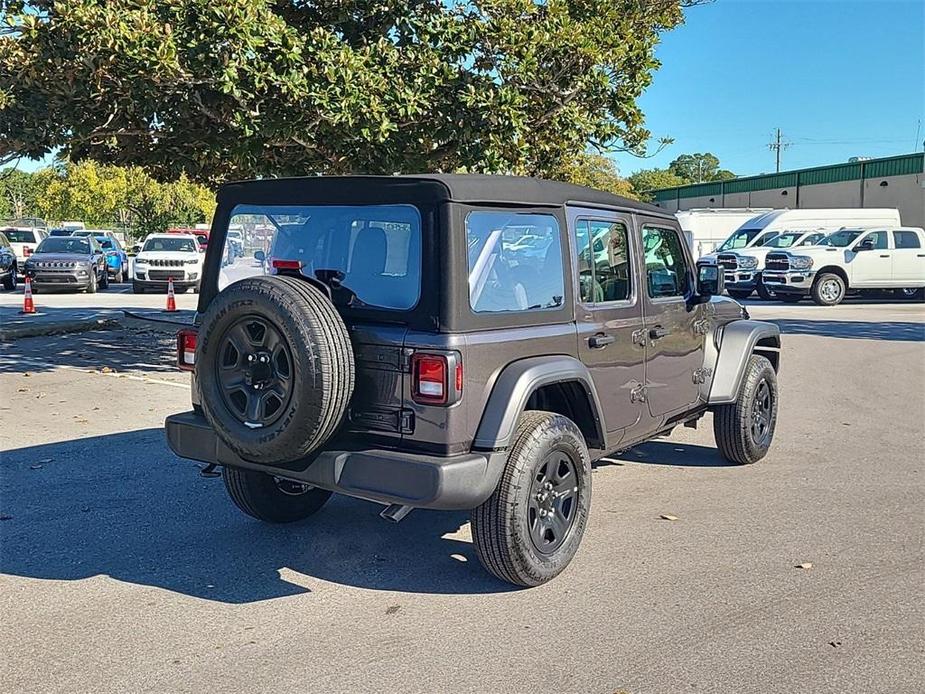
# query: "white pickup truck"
{"points": [[850, 260]]}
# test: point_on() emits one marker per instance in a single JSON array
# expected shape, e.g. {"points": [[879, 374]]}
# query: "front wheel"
{"points": [[529, 529], [9, 283], [272, 499], [828, 289], [740, 294], [744, 429], [764, 293], [92, 286]]}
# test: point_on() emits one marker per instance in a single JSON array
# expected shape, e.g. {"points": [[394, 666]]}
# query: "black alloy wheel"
{"points": [[254, 370], [553, 502], [762, 409]]}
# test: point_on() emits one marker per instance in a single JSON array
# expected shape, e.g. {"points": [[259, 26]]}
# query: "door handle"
{"points": [[658, 332], [887, 255], [600, 341]]}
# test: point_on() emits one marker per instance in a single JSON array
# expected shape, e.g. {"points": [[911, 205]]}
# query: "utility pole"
{"points": [[778, 146]]}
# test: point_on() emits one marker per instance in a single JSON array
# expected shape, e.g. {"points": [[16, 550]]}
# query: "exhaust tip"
{"points": [[395, 512]]}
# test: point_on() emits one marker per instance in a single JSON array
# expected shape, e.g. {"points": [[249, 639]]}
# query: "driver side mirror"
{"points": [[865, 245], [710, 281], [260, 256]]}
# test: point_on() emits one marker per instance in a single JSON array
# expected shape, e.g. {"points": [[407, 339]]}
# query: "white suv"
{"points": [[849, 260], [168, 256]]}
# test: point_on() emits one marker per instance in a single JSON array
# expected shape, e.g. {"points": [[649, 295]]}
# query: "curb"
{"points": [[17, 332]]}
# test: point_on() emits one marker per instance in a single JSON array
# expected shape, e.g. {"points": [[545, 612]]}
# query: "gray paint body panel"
{"points": [[737, 345], [514, 387]]}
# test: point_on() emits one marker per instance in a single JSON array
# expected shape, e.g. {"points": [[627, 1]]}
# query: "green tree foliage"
{"points": [[100, 195], [698, 168], [220, 89], [647, 180], [595, 171]]}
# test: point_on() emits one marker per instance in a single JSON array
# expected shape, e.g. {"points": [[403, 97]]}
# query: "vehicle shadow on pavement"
{"points": [[661, 452], [124, 506], [898, 331], [121, 349]]}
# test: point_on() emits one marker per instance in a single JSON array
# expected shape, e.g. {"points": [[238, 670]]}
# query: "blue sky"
{"points": [[839, 78]]}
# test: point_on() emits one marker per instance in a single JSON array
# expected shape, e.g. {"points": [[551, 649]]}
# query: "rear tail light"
{"points": [[280, 264], [436, 379], [26, 251], [186, 349]]}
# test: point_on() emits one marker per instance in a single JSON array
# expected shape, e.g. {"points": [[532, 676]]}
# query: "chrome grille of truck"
{"points": [[777, 261], [729, 261]]}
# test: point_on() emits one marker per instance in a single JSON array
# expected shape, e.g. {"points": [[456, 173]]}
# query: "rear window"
{"points": [[373, 251], [21, 236]]}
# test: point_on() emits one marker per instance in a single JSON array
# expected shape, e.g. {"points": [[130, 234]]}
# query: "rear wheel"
{"points": [[740, 294], [913, 294], [744, 429], [828, 289], [272, 499], [104, 280], [9, 283], [530, 528], [119, 278]]}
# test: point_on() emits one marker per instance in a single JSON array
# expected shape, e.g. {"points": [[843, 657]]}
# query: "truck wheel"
{"points": [[828, 289], [275, 368], [740, 294], [764, 293], [744, 429], [270, 498], [529, 529]]}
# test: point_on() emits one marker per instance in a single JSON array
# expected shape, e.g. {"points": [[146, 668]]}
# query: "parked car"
{"points": [[117, 262], [168, 256], [68, 262], [24, 241], [850, 260], [60, 231], [705, 228], [8, 263], [407, 349]]}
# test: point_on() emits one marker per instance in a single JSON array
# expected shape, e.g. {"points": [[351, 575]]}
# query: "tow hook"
{"points": [[210, 470], [395, 512]]}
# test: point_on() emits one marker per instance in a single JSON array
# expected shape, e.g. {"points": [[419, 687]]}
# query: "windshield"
{"points": [[841, 239], [785, 240], [105, 242], [170, 243], [372, 251], [64, 244], [20, 236], [739, 239]]}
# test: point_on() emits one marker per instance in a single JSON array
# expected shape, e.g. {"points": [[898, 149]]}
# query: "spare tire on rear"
{"points": [[275, 368]]}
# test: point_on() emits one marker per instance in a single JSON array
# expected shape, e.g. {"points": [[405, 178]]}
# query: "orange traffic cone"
{"points": [[28, 306], [171, 300]]}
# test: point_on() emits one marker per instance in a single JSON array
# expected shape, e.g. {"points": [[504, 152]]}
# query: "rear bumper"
{"points": [[789, 281], [389, 477]]}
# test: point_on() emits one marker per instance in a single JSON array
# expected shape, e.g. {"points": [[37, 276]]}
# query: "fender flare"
{"points": [[513, 388], [730, 352]]}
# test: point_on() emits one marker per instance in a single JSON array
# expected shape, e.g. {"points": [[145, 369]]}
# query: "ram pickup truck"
{"points": [[850, 261]]}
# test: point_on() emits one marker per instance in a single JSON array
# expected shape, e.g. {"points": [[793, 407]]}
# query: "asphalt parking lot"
{"points": [[123, 570]]}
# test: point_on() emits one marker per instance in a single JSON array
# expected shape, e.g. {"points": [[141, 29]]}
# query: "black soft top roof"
{"points": [[465, 188]]}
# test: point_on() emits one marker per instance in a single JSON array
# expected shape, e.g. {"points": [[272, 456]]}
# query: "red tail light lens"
{"points": [[26, 251], [186, 349], [429, 373], [280, 264], [436, 379]]}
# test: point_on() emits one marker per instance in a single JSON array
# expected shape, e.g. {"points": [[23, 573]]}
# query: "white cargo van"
{"points": [[707, 227], [742, 254]]}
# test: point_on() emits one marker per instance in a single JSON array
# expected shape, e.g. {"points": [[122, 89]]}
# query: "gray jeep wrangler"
{"points": [[458, 342]]}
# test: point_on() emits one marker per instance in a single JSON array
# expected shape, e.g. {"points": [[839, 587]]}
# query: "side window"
{"points": [[515, 261], [879, 239], [667, 273], [764, 238], [906, 239], [603, 260], [586, 286], [812, 239]]}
